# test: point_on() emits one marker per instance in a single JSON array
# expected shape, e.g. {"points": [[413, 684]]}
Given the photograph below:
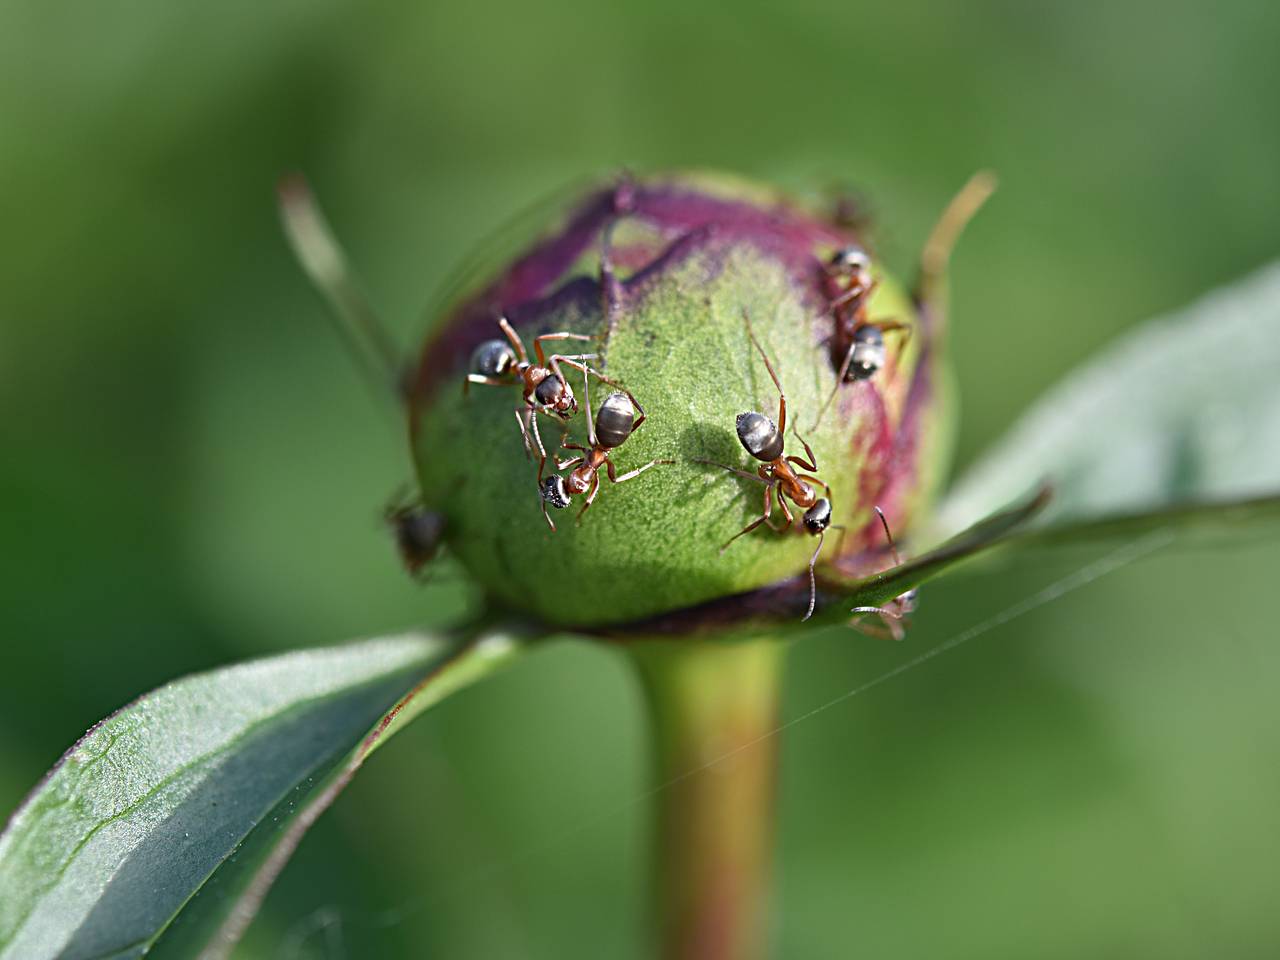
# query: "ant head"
{"points": [[851, 261], [759, 436], [818, 517], [493, 358], [555, 396], [868, 353], [553, 491]]}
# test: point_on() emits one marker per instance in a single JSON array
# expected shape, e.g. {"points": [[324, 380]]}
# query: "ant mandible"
{"points": [[764, 440], [619, 417], [503, 363], [894, 615]]}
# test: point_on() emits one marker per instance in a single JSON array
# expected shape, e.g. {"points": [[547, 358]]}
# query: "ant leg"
{"points": [[613, 383], [782, 398], [891, 620], [888, 326], [887, 629], [572, 461], [537, 436], [896, 628], [786, 511], [763, 518], [840, 375], [586, 399], [514, 338], [591, 496], [741, 473], [522, 419], [930, 289], [850, 295], [559, 335], [639, 409], [897, 560], [630, 474], [819, 481], [491, 381], [853, 294], [767, 506], [765, 473], [573, 361], [813, 461]]}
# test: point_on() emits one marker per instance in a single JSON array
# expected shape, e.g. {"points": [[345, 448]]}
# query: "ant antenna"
{"points": [[936, 253], [897, 560], [813, 580], [323, 261]]}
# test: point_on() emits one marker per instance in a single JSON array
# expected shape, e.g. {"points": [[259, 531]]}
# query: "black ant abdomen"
{"points": [[616, 420], [759, 436], [493, 358], [868, 354]]}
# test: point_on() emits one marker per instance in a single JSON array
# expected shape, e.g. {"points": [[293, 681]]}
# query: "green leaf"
{"points": [[161, 830], [1179, 422]]}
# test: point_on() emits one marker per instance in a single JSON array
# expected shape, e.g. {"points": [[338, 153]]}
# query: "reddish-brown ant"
{"points": [[857, 344], [620, 416], [894, 615], [503, 363], [764, 440]]}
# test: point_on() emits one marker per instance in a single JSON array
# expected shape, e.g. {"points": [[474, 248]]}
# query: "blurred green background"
{"points": [[191, 471]]}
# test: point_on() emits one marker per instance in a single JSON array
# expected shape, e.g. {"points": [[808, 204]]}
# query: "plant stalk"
{"points": [[713, 706]]}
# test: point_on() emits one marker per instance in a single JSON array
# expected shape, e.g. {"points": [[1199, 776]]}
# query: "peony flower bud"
{"points": [[662, 275]]}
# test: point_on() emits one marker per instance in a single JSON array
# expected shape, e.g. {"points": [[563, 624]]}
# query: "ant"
{"points": [[418, 533], [618, 418], [857, 344], [502, 363], [895, 614], [764, 439]]}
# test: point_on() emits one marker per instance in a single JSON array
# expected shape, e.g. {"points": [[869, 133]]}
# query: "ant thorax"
{"points": [[802, 494]]}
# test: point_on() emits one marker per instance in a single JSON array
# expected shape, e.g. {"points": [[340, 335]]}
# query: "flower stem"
{"points": [[713, 705]]}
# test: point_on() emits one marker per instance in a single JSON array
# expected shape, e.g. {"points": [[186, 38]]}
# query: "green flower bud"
{"points": [[661, 274]]}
